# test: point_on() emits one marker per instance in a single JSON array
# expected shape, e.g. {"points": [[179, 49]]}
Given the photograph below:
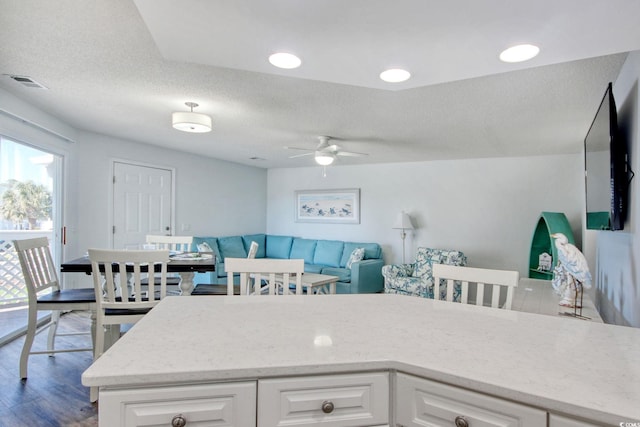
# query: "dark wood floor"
{"points": [[53, 394]]}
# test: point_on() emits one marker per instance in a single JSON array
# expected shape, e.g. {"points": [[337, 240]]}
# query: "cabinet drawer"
{"points": [[232, 404], [560, 421], [332, 400], [421, 402]]}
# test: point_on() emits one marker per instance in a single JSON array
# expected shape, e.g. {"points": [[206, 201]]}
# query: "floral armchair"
{"points": [[416, 278]]}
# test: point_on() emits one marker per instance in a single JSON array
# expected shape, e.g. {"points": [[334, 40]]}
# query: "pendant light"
{"points": [[188, 121]]}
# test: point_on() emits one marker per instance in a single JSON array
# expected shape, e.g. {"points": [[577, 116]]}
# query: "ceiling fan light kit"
{"points": [[325, 154], [188, 121], [324, 159]]}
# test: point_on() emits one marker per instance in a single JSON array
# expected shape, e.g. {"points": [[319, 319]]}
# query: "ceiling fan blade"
{"points": [[351, 154], [301, 155], [299, 148]]}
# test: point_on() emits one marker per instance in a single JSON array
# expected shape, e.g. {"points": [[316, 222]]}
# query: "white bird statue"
{"points": [[572, 272]]}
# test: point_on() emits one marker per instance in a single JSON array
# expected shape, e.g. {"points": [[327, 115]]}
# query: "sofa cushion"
{"points": [[231, 247], [344, 274], [279, 246], [426, 257], [328, 252], [260, 239], [371, 251], [313, 268], [211, 241], [303, 248]]}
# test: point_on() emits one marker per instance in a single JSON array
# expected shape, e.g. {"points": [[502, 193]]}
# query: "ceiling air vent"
{"points": [[27, 81]]}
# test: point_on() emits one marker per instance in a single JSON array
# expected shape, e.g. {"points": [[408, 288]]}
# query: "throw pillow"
{"points": [[356, 255], [204, 247]]}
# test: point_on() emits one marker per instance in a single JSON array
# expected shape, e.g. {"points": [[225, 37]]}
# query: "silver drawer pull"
{"points": [[178, 421], [461, 421], [327, 407]]}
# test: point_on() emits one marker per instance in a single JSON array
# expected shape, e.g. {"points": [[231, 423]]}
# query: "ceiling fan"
{"points": [[325, 154]]}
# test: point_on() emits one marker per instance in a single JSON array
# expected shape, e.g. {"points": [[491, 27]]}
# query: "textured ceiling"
{"points": [[120, 68]]}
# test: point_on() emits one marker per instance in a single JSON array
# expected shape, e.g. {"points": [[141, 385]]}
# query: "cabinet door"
{"points": [[350, 400], [561, 421], [232, 404], [423, 403]]}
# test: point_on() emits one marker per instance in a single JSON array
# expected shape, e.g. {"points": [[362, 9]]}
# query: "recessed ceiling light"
{"points": [[395, 75], [519, 53], [285, 60]]}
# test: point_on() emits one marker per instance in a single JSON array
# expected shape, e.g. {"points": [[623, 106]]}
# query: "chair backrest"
{"points": [[496, 279], [37, 265], [276, 273], [124, 291], [253, 250], [172, 243]]}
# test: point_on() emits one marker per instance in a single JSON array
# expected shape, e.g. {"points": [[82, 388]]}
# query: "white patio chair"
{"points": [[478, 278]]}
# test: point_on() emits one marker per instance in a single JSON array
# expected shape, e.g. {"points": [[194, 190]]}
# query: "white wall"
{"points": [[487, 208], [617, 290], [213, 197]]}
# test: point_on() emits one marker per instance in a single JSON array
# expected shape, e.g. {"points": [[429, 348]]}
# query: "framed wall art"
{"points": [[328, 206]]}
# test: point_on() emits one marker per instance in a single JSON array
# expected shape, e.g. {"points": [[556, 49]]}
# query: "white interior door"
{"points": [[142, 203]]}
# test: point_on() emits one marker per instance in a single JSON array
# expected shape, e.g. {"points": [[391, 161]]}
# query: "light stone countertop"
{"points": [[565, 365]]}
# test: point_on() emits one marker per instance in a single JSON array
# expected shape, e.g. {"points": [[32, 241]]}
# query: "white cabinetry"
{"points": [[227, 404], [561, 421], [350, 400], [421, 402]]}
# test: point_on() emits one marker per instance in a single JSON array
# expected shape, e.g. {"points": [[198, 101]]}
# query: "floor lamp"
{"points": [[403, 223]]}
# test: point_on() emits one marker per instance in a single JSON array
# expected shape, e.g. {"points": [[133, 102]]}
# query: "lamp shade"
{"points": [[403, 221], [188, 121]]}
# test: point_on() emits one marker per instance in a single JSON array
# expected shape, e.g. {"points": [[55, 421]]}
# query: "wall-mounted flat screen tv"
{"points": [[607, 171]]}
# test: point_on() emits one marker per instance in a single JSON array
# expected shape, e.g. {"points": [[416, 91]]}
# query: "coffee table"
{"points": [[315, 284], [318, 284]]}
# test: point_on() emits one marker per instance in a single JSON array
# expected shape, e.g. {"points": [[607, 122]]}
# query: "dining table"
{"points": [[185, 264]]}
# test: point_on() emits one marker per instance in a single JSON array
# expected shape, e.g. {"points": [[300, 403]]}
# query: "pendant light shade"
{"points": [[188, 121]]}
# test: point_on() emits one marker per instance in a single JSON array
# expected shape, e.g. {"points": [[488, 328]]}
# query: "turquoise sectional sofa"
{"points": [[320, 256]]}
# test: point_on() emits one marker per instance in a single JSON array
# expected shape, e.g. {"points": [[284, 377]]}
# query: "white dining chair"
{"points": [[44, 293], [171, 243], [264, 276], [478, 278], [120, 297], [220, 289]]}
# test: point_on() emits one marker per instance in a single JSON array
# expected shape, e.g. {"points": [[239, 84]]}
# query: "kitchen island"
{"points": [[259, 347]]}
